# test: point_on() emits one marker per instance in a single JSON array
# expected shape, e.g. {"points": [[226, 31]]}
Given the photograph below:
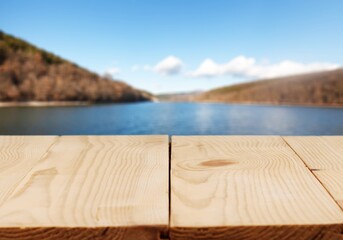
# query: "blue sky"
{"points": [[184, 45]]}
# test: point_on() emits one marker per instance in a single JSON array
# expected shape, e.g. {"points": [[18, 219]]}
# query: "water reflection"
{"points": [[173, 119]]}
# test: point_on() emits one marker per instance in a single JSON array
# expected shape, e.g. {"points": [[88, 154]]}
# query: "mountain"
{"points": [[28, 73], [320, 88], [178, 97]]}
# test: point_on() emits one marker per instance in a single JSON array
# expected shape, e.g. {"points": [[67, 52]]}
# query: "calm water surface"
{"points": [[172, 119]]}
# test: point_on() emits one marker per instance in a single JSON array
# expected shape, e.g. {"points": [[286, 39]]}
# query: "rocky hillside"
{"points": [[322, 88], [28, 73]]}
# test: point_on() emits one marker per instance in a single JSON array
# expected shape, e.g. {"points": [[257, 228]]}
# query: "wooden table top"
{"points": [[196, 187]]}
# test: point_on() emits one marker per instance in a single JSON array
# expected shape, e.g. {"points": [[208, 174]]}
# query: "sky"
{"points": [[184, 45]]}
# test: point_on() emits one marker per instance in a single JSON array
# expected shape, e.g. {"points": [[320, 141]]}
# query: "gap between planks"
{"points": [[201, 163], [311, 170], [324, 157], [166, 234]]}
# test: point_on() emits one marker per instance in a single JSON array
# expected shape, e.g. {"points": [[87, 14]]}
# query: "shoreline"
{"points": [[277, 104], [44, 104], [262, 104], [85, 103]]}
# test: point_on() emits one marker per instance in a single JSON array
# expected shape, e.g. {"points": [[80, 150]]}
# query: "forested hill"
{"points": [[321, 88], [28, 73]]}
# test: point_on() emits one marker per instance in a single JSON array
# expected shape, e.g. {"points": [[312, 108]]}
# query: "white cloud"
{"points": [[112, 71], [168, 66], [248, 67]]}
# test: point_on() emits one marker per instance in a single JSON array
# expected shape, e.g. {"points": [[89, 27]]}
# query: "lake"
{"points": [[172, 119]]}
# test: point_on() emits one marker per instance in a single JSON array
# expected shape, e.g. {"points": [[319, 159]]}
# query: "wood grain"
{"points": [[319, 153], [271, 232], [324, 156], [85, 187], [333, 182], [18, 154], [241, 187]]}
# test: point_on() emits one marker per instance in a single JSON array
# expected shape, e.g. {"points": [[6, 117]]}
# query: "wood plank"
{"points": [[333, 182], [17, 155], [241, 187], [319, 153], [88, 187], [324, 156]]}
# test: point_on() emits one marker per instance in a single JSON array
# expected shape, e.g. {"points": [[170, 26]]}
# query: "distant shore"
{"points": [[285, 104], [85, 103], [44, 104]]}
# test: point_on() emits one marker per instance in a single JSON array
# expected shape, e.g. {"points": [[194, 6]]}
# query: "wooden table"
{"points": [[198, 187]]}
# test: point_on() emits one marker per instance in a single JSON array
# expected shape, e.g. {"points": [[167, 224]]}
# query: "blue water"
{"points": [[172, 119]]}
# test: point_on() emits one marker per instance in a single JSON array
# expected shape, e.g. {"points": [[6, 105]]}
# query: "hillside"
{"points": [[28, 73], [178, 97], [321, 88]]}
